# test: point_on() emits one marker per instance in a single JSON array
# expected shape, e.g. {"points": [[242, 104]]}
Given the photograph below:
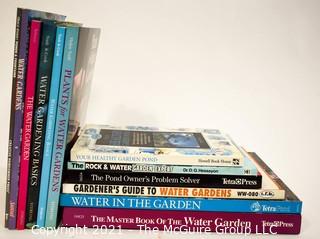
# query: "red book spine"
{"points": [[182, 221], [34, 42]]}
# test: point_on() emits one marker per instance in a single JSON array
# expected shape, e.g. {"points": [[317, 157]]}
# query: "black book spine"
{"points": [[164, 179], [40, 118], [12, 124]]}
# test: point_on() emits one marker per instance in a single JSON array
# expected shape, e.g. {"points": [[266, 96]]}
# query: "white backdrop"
{"points": [[248, 67]]}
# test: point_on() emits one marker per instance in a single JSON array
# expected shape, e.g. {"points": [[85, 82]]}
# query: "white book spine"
{"points": [[193, 160]]}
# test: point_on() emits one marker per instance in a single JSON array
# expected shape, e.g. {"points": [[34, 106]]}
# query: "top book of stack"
{"points": [[150, 145]]}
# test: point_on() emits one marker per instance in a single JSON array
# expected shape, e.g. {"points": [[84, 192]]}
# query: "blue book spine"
{"points": [[61, 124], [186, 204], [52, 111]]}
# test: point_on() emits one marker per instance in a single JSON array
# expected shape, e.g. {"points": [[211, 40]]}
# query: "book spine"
{"points": [[40, 119], [183, 221], [28, 120], [12, 112], [18, 117], [161, 168], [61, 125], [50, 127], [164, 179], [150, 191], [193, 160], [197, 204]]}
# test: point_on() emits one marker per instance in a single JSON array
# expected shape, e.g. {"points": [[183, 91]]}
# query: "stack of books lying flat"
{"points": [[174, 180]]}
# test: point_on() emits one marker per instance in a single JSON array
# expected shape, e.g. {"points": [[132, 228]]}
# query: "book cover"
{"points": [[48, 33], [12, 111], [21, 48], [61, 125], [84, 70], [50, 126], [201, 147], [164, 179], [183, 192], [183, 221], [288, 205], [34, 42]]}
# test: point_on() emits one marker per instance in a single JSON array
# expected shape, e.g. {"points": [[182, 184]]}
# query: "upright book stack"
{"points": [[52, 71], [173, 180]]}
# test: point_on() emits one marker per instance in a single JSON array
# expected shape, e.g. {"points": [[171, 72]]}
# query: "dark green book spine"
{"points": [[40, 118]]}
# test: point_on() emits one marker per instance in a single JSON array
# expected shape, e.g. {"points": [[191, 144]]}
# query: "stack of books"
{"points": [[145, 178], [176, 180], [52, 72]]}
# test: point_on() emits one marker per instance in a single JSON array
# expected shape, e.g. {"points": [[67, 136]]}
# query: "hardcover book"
{"points": [[289, 205], [61, 126], [165, 179], [9, 197], [50, 127], [201, 147], [148, 221]]}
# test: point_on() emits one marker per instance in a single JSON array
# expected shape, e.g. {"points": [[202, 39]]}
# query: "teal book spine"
{"points": [[50, 126], [61, 124]]}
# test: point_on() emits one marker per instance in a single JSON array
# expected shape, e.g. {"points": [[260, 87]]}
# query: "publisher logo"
{"points": [[255, 207], [238, 181], [236, 161]]}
